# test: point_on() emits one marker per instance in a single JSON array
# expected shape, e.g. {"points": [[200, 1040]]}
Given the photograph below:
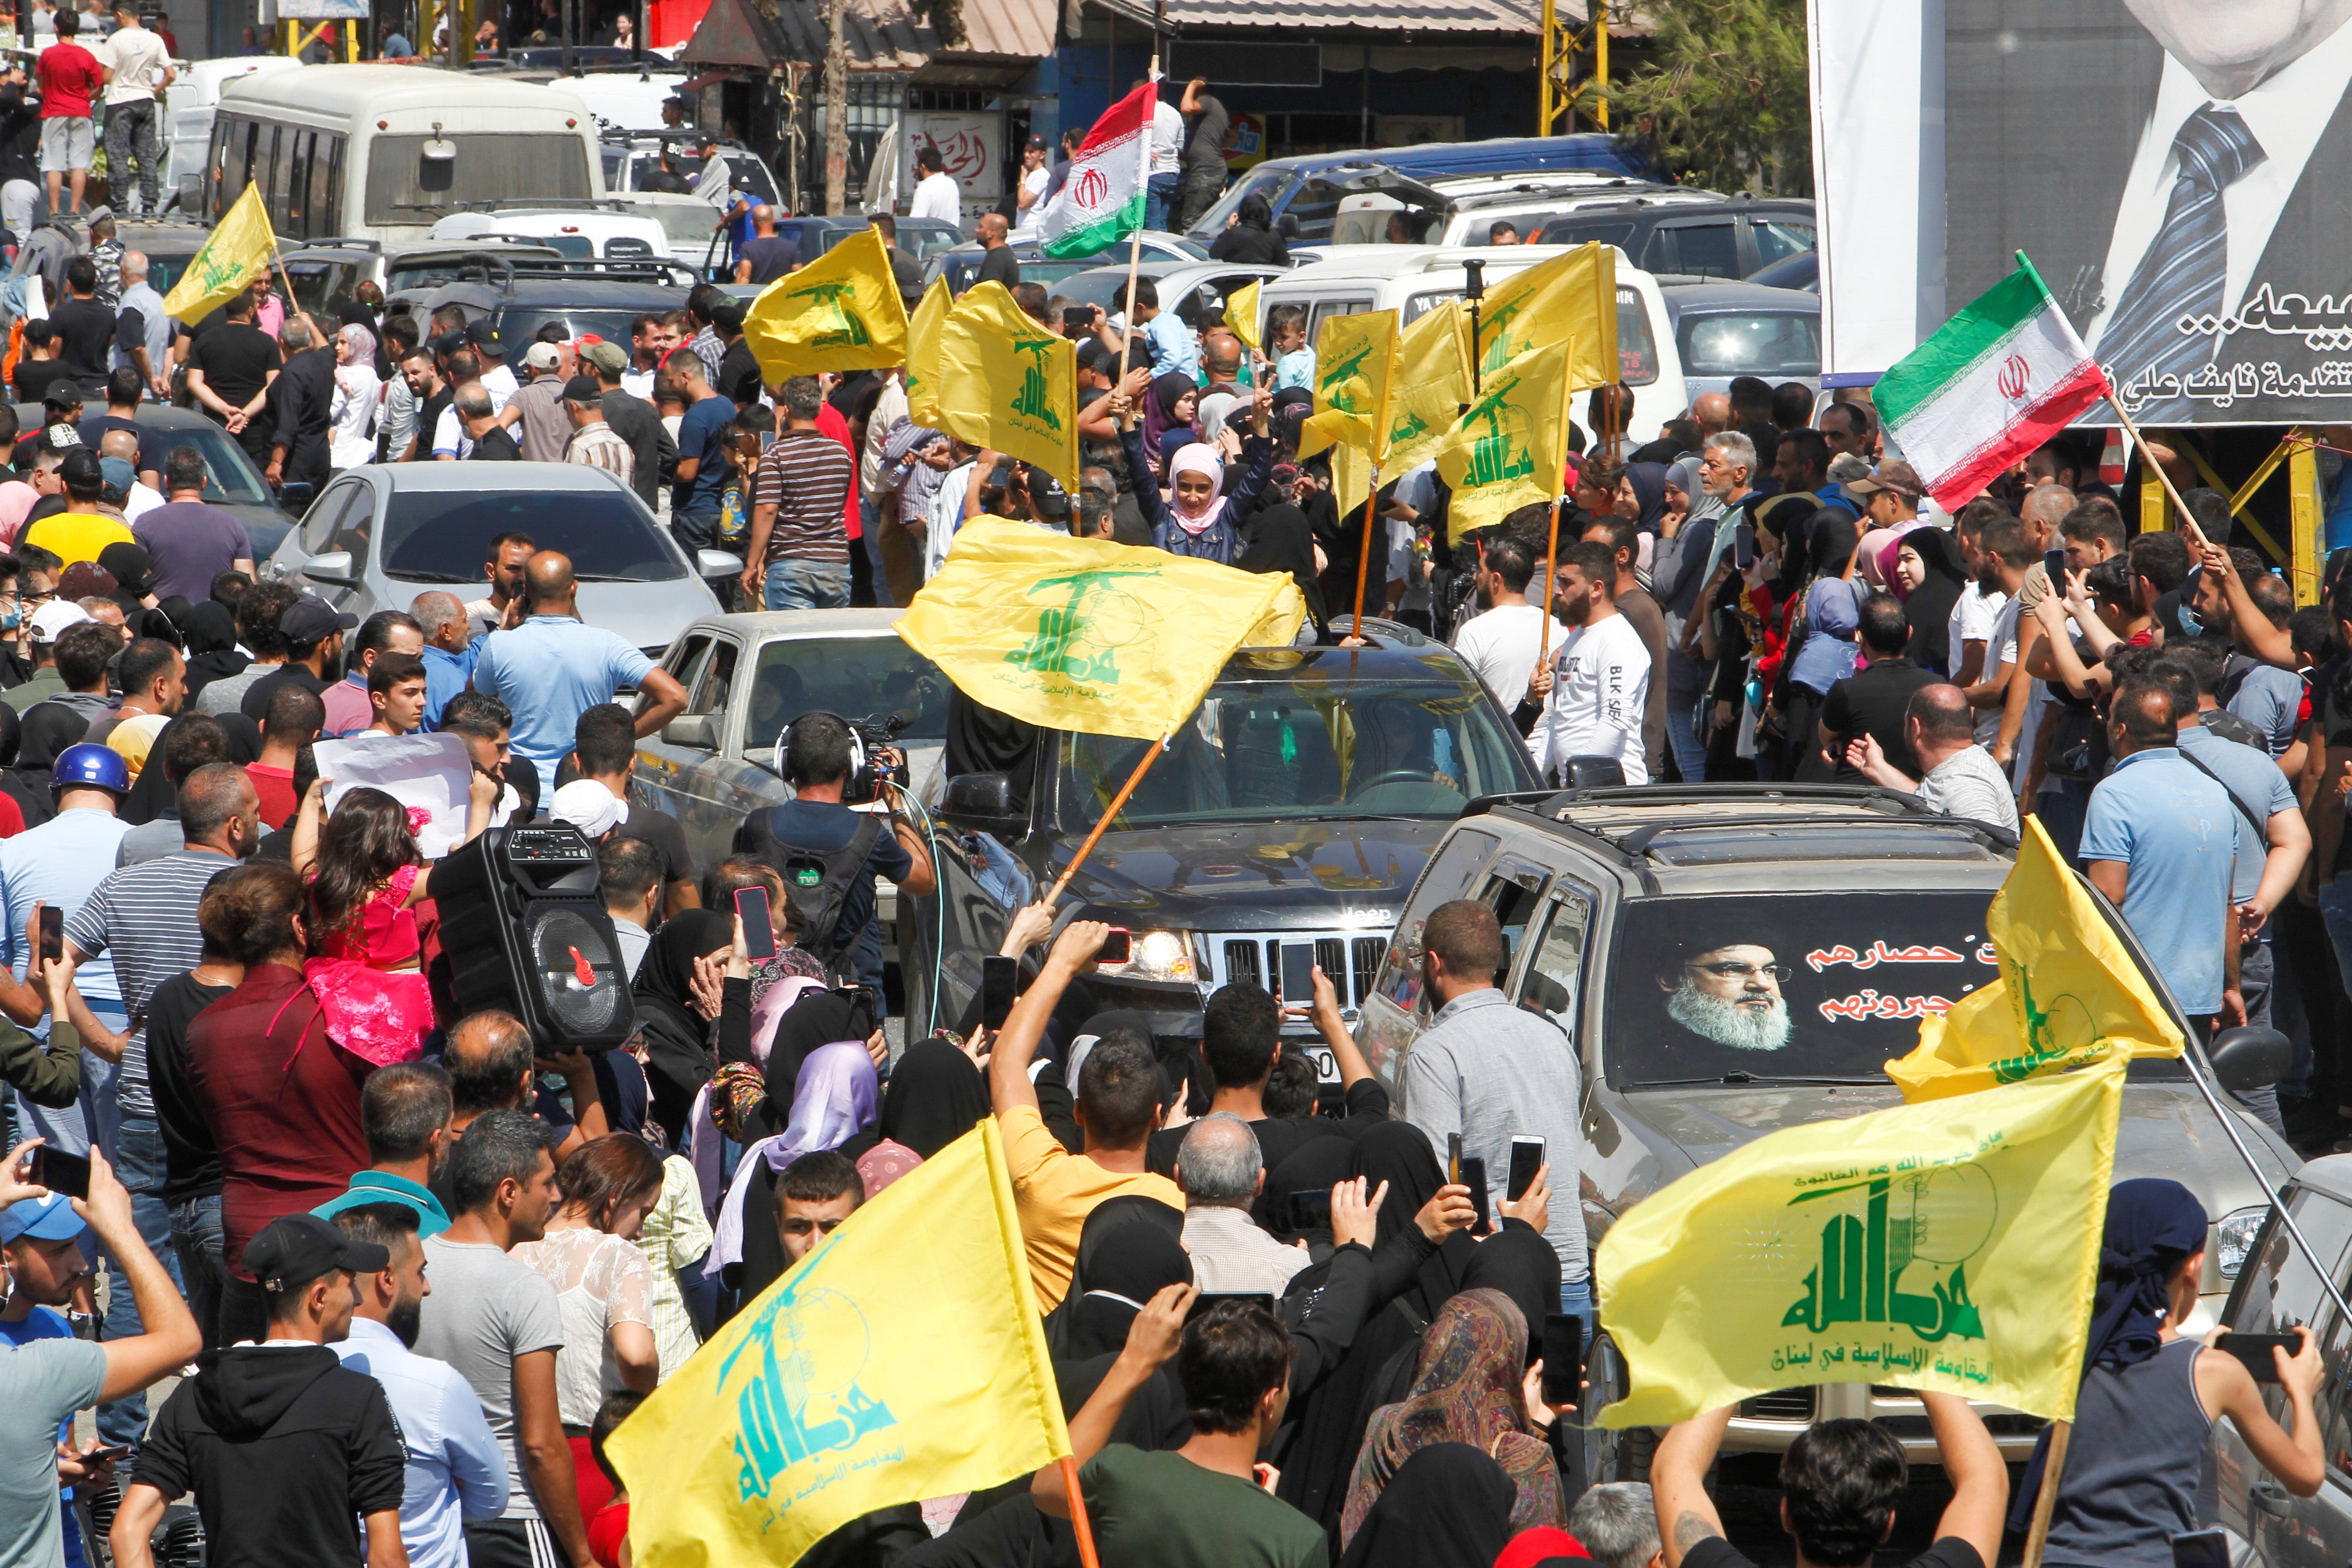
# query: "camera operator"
{"points": [[818, 834]]}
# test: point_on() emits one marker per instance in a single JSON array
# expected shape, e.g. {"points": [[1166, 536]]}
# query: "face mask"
{"points": [[13, 619], [2189, 623]]}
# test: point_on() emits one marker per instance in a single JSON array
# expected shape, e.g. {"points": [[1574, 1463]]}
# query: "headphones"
{"points": [[860, 786]]}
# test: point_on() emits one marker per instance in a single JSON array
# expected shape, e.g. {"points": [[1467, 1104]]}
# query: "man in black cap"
{"points": [[281, 1442], [314, 653], [496, 378]]}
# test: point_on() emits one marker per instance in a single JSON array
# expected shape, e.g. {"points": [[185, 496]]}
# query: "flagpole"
{"points": [[2140, 441], [1079, 1522], [1151, 754], [1135, 240], [1551, 548], [1364, 559], [2053, 1465]]}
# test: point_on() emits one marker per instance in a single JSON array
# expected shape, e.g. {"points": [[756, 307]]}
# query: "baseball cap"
{"points": [[449, 342], [296, 1248], [118, 473], [588, 806], [51, 1218], [59, 437], [1892, 474], [479, 333], [51, 619], [84, 578], [542, 356], [310, 619], [582, 389], [610, 358], [1036, 144], [80, 467]]}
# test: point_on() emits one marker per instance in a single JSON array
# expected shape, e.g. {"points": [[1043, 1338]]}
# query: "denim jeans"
{"points": [[1159, 194], [2256, 972], [135, 130], [808, 585], [1682, 735], [139, 1160], [871, 508], [202, 1256]]}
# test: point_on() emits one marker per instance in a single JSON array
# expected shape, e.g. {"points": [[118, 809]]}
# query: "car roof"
{"points": [[2330, 1173], [1378, 263], [339, 90], [155, 416], [1699, 299], [502, 477], [1584, 150], [759, 625], [585, 292]]}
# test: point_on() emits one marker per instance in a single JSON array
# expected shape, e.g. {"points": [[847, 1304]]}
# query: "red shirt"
{"points": [[830, 421], [282, 1098], [275, 786], [71, 75]]}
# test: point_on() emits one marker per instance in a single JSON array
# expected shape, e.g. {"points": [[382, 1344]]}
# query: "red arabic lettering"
{"points": [[964, 155], [1985, 954], [1878, 952], [1871, 1005]]}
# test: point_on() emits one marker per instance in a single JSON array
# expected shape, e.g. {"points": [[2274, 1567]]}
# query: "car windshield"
{"points": [[1750, 343], [230, 477], [439, 536], [1311, 748], [1792, 985], [862, 679], [1271, 182], [518, 326]]}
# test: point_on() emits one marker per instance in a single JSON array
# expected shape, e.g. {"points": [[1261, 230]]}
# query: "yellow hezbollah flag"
{"points": [[1008, 384], [1510, 450], [2068, 992], [240, 245], [842, 312], [1569, 298], [1355, 375], [1085, 635], [923, 356], [897, 1362], [1241, 314], [1432, 383], [1951, 1246]]}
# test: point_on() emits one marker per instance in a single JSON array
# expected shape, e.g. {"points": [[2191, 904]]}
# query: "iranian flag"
{"points": [[1997, 381], [1101, 199]]}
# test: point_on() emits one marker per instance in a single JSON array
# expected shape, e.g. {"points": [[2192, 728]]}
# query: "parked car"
{"points": [[618, 234], [960, 264], [231, 482], [920, 238], [328, 274], [519, 297], [1603, 893], [1727, 330], [383, 533], [1194, 292], [1803, 270], [629, 156], [1378, 206], [168, 247], [1728, 237], [1304, 187]]}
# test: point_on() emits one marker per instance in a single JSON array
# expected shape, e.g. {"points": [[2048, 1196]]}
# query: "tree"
{"points": [[1726, 101]]}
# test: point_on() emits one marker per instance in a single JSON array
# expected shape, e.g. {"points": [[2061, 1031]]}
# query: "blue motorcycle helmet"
{"points": [[88, 766]]}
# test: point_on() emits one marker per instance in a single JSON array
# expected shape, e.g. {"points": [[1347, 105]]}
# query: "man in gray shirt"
{"points": [[498, 1321], [1492, 1071], [1959, 777]]}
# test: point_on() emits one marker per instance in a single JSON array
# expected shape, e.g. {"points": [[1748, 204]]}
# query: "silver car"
{"points": [[380, 535]]}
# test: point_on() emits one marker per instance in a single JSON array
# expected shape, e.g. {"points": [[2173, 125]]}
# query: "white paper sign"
{"points": [[433, 774]]}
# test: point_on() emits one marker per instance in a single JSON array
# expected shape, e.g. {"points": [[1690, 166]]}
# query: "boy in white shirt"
{"points": [[1597, 687], [1501, 645]]}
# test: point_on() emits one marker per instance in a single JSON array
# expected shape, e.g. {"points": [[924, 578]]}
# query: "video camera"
{"points": [[868, 738]]}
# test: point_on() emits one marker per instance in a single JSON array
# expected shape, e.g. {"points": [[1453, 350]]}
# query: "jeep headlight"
{"points": [[2233, 1240], [1158, 956]]}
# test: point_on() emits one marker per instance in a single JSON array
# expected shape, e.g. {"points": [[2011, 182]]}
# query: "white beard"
{"points": [[1728, 1022]]}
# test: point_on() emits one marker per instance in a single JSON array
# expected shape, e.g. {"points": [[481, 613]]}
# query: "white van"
{"points": [[383, 153], [581, 234], [1354, 279], [189, 107]]}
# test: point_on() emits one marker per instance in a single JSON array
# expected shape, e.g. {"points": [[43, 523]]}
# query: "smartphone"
{"points": [[1117, 947], [2053, 562], [1311, 1209], [1563, 1359], [109, 1451], [1209, 1299], [53, 936], [1000, 987], [759, 936], [1454, 1159], [2202, 1549], [1474, 1176], [1527, 1159], [2254, 1350], [61, 1173], [1297, 974], [1743, 545], [1077, 318]]}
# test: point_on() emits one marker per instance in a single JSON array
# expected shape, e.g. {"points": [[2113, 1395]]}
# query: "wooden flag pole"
{"points": [[1364, 560], [2188, 518], [1078, 1521], [1551, 548], [1150, 753], [2053, 1466], [1135, 240]]}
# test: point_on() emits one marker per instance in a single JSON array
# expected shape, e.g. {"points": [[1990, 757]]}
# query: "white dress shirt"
{"points": [[939, 197], [456, 1470], [1233, 1256], [2287, 114]]}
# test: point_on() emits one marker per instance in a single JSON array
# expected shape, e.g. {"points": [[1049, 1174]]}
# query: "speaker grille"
{"points": [[576, 970]]}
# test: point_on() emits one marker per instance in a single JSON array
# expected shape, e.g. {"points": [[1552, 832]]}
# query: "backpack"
{"points": [[818, 882]]}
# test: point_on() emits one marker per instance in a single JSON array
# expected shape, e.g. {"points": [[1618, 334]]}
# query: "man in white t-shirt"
{"points": [[140, 67], [1167, 165], [1500, 646], [1598, 686], [1035, 177], [937, 195], [2006, 557]]}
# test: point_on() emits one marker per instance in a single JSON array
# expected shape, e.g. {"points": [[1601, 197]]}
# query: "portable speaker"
{"points": [[524, 929]]}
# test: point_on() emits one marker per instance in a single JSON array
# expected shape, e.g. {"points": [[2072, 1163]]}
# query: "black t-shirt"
{"points": [[428, 419], [1950, 1552], [93, 429], [1277, 1140], [255, 704], [662, 831], [191, 1163], [1872, 701], [33, 378], [771, 255], [494, 446], [236, 359], [87, 333], [740, 381], [1000, 266], [663, 180], [1204, 152]]}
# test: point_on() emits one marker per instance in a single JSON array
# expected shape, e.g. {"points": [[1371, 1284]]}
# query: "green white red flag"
{"points": [[1101, 199], [1996, 382]]}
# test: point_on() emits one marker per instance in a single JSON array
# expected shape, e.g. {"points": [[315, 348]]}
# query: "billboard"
{"points": [[969, 147], [2171, 167]]}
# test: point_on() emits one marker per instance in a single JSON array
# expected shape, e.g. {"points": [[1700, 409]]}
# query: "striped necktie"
{"points": [[2182, 272]]}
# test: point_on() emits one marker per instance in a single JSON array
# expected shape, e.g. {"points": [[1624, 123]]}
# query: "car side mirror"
{"points": [[1593, 772], [2245, 1059], [982, 802], [717, 563], [296, 498], [334, 566], [696, 731], [1288, 225]]}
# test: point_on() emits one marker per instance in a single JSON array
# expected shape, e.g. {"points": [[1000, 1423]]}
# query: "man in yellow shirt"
{"points": [[1117, 1106], [79, 534]]}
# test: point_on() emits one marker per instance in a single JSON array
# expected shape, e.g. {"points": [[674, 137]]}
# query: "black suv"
{"points": [[519, 297], [1297, 806], [1728, 239]]}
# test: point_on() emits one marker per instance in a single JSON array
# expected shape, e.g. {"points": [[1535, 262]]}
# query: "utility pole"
{"points": [[836, 110]]}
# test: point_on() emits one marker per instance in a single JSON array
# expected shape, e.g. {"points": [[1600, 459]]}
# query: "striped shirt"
{"points": [[674, 1236], [599, 446], [806, 476], [145, 915]]}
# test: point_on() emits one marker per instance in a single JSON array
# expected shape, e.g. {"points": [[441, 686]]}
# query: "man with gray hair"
{"points": [[448, 653], [301, 399], [1727, 468], [1617, 1522], [1221, 1170], [143, 331], [594, 442], [798, 553], [480, 418]]}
